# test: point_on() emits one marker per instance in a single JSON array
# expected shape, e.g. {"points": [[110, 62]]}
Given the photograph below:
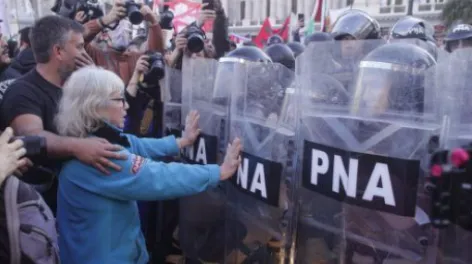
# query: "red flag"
{"points": [[318, 10], [264, 34], [284, 31]]}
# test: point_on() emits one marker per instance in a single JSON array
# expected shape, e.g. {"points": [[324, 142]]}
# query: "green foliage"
{"points": [[457, 10]]}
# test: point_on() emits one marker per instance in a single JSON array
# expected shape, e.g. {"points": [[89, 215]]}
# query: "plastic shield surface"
{"points": [[172, 100], [260, 193], [456, 77], [341, 57], [362, 159], [202, 216], [455, 72]]}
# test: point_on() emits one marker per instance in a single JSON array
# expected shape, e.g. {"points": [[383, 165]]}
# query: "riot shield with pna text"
{"points": [[202, 216], [363, 158], [260, 195]]}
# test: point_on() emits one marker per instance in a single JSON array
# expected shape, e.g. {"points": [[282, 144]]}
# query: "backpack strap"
{"points": [[13, 218]]}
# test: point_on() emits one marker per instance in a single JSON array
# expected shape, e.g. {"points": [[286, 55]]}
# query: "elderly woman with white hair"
{"points": [[97, 215]]}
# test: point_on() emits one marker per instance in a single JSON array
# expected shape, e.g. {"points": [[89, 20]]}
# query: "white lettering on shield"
{"points": [[258, 182], [380, 176], [200, 156], [201, 152]]}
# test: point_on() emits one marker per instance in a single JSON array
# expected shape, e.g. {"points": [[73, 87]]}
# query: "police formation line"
{"points": [[337, 150]]}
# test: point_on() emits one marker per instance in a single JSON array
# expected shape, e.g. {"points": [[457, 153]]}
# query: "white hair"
{"points": [[86, 92]]}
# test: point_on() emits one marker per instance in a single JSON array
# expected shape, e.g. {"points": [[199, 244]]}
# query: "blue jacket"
{"points": [[98, 216]]}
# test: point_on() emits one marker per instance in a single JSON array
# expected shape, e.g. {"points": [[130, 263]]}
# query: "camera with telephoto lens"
{"points": [[91, 9], [35, 146], [69, 8], [166, 18], [149, 82], [195, 39], [133, 12], [450, 186]]}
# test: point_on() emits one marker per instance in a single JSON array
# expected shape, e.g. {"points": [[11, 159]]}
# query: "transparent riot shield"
{"points": [[455, 77], [202, 216], [362, 162], [260, 193], [343, 59], [429, 46], [172, 102]]}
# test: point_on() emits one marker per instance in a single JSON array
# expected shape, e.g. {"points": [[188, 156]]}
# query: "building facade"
{"points": [[247, 16]]}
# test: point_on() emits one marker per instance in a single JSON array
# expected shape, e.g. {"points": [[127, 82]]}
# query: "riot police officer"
{"points": [[460, 36], [249, 53], [318, 36], [296, 47], [282, 54], [393, 81], [356, 34], [411, 28], [274, 39]]}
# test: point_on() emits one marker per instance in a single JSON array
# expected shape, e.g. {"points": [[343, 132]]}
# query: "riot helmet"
{"points": [[355, 24], [233, 64], [274, 39], [296, 47], [282, 54], [248, 53], [412, 27], [391, 79], [318, 36], [458, 37]]}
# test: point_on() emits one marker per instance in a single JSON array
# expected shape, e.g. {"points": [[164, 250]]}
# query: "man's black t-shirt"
{"points": [[32, 94]]}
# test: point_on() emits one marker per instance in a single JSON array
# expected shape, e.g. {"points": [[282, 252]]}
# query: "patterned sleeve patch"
{"points": [[138, 162]]}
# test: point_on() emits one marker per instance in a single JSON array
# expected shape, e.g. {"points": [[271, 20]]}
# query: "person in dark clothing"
{"points": [[24, 38], [23, 62], [30, 104]]}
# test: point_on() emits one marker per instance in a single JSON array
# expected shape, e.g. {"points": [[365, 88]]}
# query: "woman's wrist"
{"points": [[183, 143]]}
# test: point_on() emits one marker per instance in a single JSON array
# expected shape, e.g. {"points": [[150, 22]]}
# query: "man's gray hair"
{"points": [[49, 31], [86, 91]]}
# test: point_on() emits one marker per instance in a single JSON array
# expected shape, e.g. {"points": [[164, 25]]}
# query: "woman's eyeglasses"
{"points": [[122, 100]]}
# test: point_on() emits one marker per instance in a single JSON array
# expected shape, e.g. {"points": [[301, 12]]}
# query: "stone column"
{"points": [[300, 5], [308, 8], [247, 11], [273, 9], [263, 13]]}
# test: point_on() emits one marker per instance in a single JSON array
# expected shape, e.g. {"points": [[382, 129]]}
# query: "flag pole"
{"points": [[323, 14]]}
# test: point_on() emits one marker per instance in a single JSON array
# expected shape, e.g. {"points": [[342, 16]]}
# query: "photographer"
{"points": [[220, 44], [136, 98], [116, 57], [24, 61], [221, 41]]}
